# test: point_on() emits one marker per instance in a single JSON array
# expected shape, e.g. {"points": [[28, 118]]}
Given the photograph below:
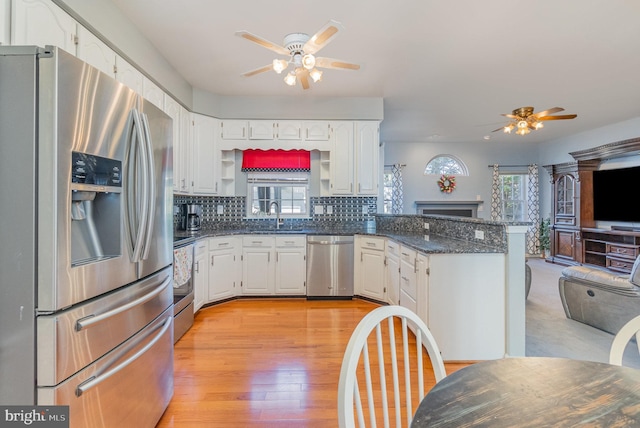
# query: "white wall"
{"points": [[476, 156]]}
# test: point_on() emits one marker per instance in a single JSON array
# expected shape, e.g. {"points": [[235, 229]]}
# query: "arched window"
{"points": [[446, 164]]}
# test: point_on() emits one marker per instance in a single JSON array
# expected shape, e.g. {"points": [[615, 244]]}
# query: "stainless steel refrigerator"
{"points": [[86, 229]]}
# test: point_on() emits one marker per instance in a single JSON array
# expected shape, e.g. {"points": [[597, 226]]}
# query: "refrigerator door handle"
{"points": [[135, 161], [90, 320], [95, 380], [149, 185]]}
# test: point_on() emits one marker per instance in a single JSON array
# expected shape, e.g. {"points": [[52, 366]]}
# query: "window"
{"points": [[446, 164], [283, 193], [514, 197]]}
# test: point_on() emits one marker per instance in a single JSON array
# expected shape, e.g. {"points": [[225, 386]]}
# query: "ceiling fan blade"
{"points": [[336, 64], [499, 129], [303, 76], [263, 42], [560, 117], [511, 116], [258, 71], [322, 37], [548, 112]]}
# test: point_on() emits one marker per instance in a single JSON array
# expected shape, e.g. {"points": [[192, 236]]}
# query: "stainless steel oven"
{"points": [[183, 252]]}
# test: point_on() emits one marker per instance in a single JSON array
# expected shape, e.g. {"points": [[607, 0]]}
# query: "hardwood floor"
{"points": [[263, 363]]}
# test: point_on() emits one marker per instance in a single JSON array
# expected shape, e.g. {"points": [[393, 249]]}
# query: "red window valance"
{"points": [[254, 160]]}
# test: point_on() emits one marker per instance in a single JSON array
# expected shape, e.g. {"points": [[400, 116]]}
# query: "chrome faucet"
{"points": [[278, 219]]}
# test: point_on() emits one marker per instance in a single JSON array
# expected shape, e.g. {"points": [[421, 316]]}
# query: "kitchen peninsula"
{"points": [[463, 276]]}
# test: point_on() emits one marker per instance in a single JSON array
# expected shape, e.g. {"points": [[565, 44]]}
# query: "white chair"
{"points": [[623, 337], [357, 362]]}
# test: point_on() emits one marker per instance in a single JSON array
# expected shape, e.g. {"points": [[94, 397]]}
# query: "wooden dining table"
{"points": [[533, 392]]}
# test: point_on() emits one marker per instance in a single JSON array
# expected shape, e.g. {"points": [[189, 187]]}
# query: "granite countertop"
{"points": [[433, 244]]}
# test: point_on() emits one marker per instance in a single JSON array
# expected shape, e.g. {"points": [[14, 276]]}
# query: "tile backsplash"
{"points": [[229, 211]]}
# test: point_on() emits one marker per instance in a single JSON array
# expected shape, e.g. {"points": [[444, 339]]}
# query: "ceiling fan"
{"points": [[301, 50], [524, 119]]}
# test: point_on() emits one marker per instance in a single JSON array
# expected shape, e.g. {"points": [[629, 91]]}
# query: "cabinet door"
{"points": [[317, 131], [291, 271], [200, 275], [173, 110], [372, 274], [95, 52], [222, 274], [233, 129], [565, 244], [392, 277], [342, 159], [262, 130], [129, 75], [408, 279], [152, 92], [367, 154], [40, 23], [5, 22], [204, 179], [422, 296], [185, 153], [289, 130], [257, 271]]}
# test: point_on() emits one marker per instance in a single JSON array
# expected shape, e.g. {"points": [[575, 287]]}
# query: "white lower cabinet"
{"points": [[274, 265], [369, 269], [392, 272], [223, 268], [408, 279], [422, 298], [200, 274], [291, 265]]}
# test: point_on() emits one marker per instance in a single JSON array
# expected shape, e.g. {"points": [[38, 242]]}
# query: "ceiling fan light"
{"points": [[523, 124], [279, 65], [509, 128], [522, 131], [290, 79], [308, 61], [316, 75], [538, 125]]}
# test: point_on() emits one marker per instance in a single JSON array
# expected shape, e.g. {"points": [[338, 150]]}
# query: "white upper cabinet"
{"points": [[95, 52], [288, 130], [152, 92], [129, 75], [342, 159], [367, 155], [173, 109], [5, 22], [317, 131], [233, 129], [205, 157], [262, 130], [40, 23]]}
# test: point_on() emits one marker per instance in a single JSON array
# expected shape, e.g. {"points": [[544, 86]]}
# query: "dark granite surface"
{"points": [[431, 243]]}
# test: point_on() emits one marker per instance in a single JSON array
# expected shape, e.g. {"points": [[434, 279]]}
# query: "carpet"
{"points": [[550, 334]]}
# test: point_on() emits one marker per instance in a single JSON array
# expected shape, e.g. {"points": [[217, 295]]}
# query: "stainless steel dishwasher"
{"points": [[329, 267]]}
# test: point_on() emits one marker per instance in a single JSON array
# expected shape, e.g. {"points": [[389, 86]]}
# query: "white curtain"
{"points": [[496, 194], [397, 193]]}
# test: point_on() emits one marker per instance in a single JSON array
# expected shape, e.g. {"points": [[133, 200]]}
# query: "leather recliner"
{"points": [[599, 298]]}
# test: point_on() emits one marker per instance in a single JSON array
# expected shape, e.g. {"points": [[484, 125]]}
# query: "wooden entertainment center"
{"points": [[574, 237]]}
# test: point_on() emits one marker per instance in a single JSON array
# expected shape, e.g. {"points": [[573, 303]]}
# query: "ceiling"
{"points": [[445, 69]]}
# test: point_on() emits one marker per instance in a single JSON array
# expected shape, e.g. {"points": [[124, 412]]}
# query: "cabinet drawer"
{"points": [[408, 286], [221, 243], [291, 241], [620, 265], [623, 251], [393, 248], [372, 243], [202, 246], [258, 241], [408, 255]]}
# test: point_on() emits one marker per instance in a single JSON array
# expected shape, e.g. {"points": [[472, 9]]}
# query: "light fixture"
{"points": [[316, 75], [279, 65], [509, 128], [308, 61], [290, 78]]}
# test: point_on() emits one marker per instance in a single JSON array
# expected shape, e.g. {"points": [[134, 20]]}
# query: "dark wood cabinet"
{"points": [[574, 236]]}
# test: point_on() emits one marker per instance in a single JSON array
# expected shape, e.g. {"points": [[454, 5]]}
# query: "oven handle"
{"points": [[95, 380], [93, 319]]}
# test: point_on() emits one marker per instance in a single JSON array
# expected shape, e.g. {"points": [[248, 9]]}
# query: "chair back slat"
{"points": [[622, 338]]}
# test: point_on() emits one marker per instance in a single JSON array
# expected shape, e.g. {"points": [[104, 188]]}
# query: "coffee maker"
{"points": [[190, 217]]}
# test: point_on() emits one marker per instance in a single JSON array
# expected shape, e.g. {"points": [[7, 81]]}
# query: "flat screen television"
{"points": [[614, 191]]}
